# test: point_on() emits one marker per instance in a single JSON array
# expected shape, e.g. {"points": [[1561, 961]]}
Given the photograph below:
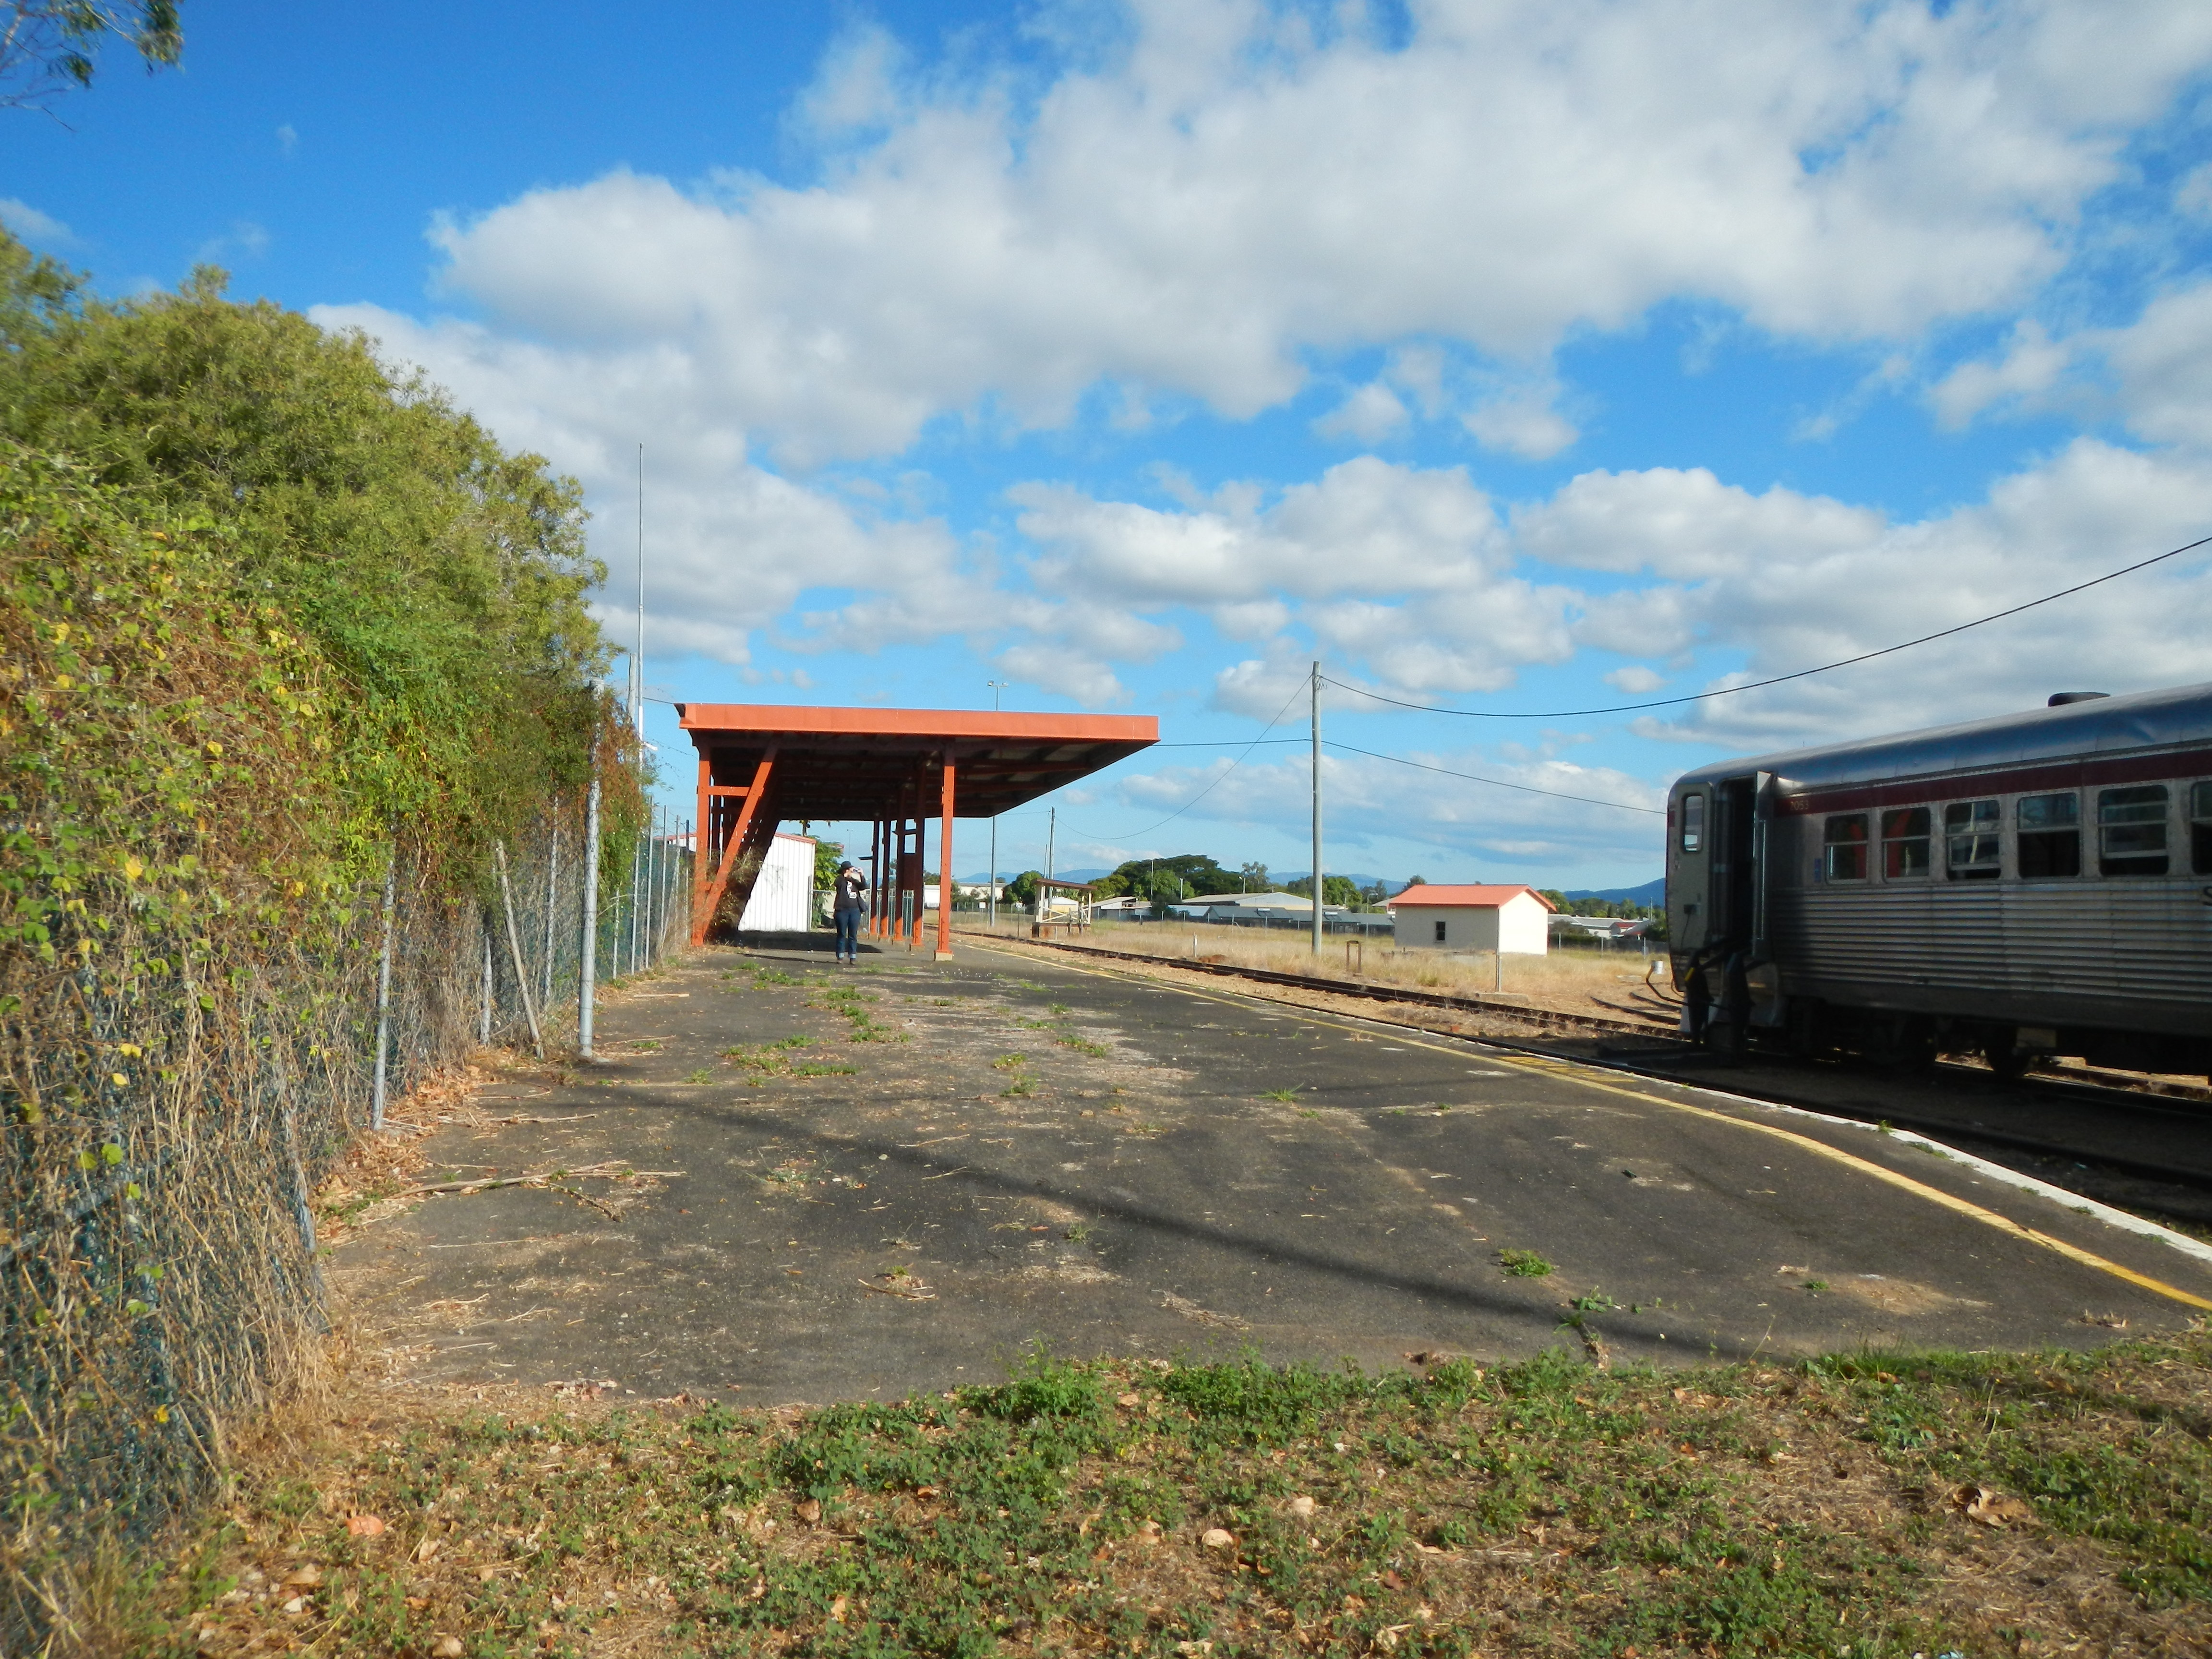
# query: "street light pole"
{"points": [[1316, 809]]}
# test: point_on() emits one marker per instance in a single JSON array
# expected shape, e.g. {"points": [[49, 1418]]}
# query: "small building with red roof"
{"points": [[1479, 916]]}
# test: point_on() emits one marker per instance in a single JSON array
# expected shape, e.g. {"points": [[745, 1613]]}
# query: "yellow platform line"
{"points": [[1568, 1070]]}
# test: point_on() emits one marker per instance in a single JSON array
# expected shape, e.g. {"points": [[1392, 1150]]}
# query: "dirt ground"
{"points": [[790, 1184]]}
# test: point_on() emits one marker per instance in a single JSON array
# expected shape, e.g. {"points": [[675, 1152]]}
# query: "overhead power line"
{"points": [[1495, 783], [1781, 679], [1128, 834]]}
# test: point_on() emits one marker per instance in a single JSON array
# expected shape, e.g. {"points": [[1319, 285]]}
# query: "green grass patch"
{"points": [[1523, 1264], [1543, 1507]]}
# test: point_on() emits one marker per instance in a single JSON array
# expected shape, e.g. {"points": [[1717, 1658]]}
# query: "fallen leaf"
{"points": [[1128, 1400], [1989, 1508], [448, 1646], [297, 1604], [1301, 1506], [1195, 1647], [1216, 1538], [1149, 1531], [365, 1526], [427, 1548], [837, 1610], [304, 1578], [925, 1491], [1390, 1579], [809, 1509]]}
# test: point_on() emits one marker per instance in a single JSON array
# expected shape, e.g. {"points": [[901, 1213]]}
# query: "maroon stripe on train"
{"points": [[2044, 777]]}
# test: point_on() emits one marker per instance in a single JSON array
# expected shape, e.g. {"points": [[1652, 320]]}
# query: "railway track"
{"points": [[2105, 1096]]}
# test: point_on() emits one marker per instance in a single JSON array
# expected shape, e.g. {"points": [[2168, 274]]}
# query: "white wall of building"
{"points": [[1522, 918], [783, 898]]}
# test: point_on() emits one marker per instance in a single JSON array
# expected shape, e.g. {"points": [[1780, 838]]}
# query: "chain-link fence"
{"points": [[159, 1273]]}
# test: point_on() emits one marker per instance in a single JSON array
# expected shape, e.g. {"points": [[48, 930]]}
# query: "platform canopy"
{"points": [[762, 765]]}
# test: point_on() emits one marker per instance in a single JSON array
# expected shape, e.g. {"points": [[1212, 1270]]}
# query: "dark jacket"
{"points": [[852, 890]]}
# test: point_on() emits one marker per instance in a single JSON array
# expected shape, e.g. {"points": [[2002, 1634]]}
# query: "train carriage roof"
{"points": [[2141, 720]]}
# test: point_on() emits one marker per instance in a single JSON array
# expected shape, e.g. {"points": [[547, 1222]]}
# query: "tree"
{"points": [[1164, 888], [1255, 879], [1022, 890], [442, 578], [1335, 889], [828, 855], [47, 46], [1199, 873], [1417, 881]]}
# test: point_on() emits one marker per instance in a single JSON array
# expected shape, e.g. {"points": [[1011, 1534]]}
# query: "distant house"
{"points": [[1597, 928], [1248, 907], [1441, 917]]}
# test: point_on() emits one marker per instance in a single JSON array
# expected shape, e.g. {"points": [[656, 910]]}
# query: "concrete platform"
{"points": [[1035, 1151]]}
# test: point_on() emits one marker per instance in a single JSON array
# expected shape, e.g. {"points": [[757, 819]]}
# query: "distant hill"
{"points": [[1653, 891]]}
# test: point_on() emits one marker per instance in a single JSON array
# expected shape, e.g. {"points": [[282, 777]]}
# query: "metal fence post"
{"points": [[384, 999], [590, 948], [651, 901]]}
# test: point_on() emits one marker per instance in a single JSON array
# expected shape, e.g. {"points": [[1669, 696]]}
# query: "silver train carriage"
{"points": [[2039, 883]]}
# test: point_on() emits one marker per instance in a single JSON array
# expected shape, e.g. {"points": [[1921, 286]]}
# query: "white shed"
{"points": [[782, 900], [1509, 920]]}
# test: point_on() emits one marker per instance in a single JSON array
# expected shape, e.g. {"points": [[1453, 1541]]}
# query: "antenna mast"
{"points": [[637, 656]]}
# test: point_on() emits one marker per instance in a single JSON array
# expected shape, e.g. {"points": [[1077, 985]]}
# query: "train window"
{"points": [[2131, 830], [1693, 823], [2050, 835], [1970, 841], [2200, 827], [1906, 832], [1844, 851]]}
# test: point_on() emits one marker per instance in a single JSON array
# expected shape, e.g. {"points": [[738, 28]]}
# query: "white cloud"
{"points": [[34, 227], [1370, 414], [1368, 801], [732, 549], [1365, 526], [1241, 186], [1521, 424], [2032, 365], [1684, 523], [1636, 680], [1788, 601]]}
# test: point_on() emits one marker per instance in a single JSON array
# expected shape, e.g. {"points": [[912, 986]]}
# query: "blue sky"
{"points": [[1510, 356]]}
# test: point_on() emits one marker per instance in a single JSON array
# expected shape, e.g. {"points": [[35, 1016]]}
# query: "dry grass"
{"points": [[1863, 1507], [1618, 984]]}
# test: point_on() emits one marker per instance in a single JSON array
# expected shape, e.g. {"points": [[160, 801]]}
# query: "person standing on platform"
{"points": [[851, 904]]}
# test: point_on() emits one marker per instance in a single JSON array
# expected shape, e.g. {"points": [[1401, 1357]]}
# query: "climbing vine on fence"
{"points": [[272, 620]]}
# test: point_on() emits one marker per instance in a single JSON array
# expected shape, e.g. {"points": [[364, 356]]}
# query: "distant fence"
{"points": [[158, 1263]]}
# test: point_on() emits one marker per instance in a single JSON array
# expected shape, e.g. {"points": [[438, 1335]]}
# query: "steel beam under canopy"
{"points": [[762, 765]]}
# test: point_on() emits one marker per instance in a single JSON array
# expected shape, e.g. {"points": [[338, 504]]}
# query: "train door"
{"points": [[1716, 904], [1689, 863], [1735, 913]]}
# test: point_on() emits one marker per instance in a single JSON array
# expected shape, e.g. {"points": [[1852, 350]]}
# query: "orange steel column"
{"points": [[944, 866], [702, 845]]}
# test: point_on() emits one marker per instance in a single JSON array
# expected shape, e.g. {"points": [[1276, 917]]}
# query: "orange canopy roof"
{"points": [[861, 764], [1475, 895]]}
